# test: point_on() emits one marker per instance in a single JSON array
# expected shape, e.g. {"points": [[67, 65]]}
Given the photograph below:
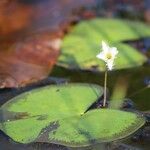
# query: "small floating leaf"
{"points": [[58, 114]]}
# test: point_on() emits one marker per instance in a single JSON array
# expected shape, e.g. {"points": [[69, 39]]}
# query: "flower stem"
{"points": [[105, 86]]}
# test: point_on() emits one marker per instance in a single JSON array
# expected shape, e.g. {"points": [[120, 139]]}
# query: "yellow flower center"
{"points": [[108, 55]]}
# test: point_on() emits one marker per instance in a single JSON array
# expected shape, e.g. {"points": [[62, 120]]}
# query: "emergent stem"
{"points": [[105, 88]]}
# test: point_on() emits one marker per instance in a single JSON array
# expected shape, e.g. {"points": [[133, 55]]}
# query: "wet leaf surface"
{"points": [[55, 114], [8, 93]]}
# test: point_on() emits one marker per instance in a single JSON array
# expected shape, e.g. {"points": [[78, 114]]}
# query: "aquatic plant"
{"points": [[108, 55], [60, 114]]}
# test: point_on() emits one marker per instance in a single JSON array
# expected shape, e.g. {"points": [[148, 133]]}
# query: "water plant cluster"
{"points": [[61, 114]]}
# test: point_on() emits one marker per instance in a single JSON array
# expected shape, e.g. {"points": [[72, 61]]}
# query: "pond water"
{"points": [[138, 79]]}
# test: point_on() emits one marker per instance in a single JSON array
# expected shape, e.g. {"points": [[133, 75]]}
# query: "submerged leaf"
{"points": [[58, 114]]}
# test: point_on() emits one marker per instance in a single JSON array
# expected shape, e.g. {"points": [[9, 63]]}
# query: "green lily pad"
{"points": [[96, 126], [58, 114], [111, 30], [81, 54], [82, 44]]}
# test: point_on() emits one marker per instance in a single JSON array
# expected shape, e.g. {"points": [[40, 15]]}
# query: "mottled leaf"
{"points": [[58, 114]]}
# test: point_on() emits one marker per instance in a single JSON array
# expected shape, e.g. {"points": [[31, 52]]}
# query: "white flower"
{"points": [[108, 55]]}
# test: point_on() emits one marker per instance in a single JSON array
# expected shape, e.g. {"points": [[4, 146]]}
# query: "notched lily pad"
{"points": [[95, 126], [82, 44], [56, 114], [51, 103]]}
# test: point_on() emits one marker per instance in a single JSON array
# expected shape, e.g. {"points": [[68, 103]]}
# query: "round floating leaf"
{"points": [[23, 117], [80, 47], [95, 126], [81, 54], [58, 114]]}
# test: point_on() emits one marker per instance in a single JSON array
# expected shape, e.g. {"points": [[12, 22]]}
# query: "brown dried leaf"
{"points": [[28, 61], [14, 16], [31, 16], [31, 59]]}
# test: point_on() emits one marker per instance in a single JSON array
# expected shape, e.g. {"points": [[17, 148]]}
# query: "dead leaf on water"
{"points": [[28, 61]]}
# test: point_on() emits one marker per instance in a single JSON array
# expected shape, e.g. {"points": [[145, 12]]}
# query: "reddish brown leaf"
{"points": [[14, 16], [28, 61], [31, 59], [32, 16]]}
